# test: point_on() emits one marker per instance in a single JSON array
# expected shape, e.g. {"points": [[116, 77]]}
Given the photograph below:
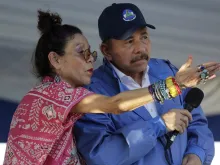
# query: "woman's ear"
{"points": [[54, 60], [105, 49]]}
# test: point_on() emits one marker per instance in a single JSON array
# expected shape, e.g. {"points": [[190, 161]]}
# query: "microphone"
{"points": [[192, 100]]}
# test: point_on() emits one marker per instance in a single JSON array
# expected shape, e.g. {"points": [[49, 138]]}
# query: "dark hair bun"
{"points": [[47, 20]]}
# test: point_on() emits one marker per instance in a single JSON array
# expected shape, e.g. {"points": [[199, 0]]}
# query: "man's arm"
{"points": [[200, 138], [100, 143]]}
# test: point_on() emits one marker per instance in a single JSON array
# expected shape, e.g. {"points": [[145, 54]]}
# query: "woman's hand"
{"points": [[189, 76]]}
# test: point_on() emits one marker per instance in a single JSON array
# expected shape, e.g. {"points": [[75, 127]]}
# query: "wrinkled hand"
{"points": [[177, 119], [189, 76], [191, 159]]}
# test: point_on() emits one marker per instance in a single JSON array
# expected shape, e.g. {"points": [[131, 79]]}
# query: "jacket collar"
{"points": [[156, 73]]}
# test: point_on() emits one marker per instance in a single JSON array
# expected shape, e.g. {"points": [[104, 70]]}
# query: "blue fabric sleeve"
{"points": [[99, 142], [200, 137]]}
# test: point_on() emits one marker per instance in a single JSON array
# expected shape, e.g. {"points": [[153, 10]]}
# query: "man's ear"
{"points": [[105, 49], [54, 60]]}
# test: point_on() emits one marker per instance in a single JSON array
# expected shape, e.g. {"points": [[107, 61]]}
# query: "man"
{"points": [[134, 137]]}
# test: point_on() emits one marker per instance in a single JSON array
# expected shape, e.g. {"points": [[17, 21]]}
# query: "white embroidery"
{"points": [[49, 112]]}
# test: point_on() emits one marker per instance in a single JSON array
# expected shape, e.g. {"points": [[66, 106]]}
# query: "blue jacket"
{"points": [[132, 137]]}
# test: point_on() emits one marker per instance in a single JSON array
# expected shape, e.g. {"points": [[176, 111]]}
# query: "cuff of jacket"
{"points": [[193, 149]]}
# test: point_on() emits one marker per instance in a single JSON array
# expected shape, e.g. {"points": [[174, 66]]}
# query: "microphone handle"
{"points": [[171, 140], [188, 107]]}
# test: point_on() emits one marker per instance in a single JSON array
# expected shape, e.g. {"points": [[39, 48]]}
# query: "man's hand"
{"points": [[191, 159], [177, 119], [190, 76]]}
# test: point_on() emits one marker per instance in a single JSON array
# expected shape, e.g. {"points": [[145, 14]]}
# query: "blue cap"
{"points": [[120, 21]]}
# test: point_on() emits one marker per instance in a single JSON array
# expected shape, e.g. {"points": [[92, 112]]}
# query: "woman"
{"points": [[41, 128]]}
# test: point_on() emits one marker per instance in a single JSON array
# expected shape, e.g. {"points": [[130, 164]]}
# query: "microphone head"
{"points": [[194, 97]]}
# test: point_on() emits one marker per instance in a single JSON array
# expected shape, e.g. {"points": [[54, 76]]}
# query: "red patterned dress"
{"points": [[41, 128]]}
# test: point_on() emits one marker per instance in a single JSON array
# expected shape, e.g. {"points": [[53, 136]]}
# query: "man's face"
{"points": [[131, 55]]}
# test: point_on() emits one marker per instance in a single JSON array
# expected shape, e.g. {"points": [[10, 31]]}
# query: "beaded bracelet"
{"points": [[165, 89]]}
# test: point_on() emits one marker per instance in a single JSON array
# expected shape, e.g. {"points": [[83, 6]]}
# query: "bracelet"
{"points": [[164, 90]]}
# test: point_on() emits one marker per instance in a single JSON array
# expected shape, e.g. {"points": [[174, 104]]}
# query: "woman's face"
{"points": [[76, 66]]}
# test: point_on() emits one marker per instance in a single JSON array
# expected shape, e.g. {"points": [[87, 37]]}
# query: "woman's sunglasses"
{"points": [[87, 54]]}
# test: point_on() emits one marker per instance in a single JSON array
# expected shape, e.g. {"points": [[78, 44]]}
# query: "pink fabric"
{"points": [[41, 128]]}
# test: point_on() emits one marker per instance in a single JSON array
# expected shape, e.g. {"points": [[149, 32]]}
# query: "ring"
{"points": [[204, 75], [201, 67]]}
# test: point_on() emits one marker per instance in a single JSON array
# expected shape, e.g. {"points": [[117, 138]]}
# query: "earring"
{"points": [[57, 79]]}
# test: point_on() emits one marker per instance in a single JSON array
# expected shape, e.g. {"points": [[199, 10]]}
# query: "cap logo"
{"points": [[128, 15]]}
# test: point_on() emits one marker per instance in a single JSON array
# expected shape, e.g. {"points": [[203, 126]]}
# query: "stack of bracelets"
{"points": [[165, 89]]}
